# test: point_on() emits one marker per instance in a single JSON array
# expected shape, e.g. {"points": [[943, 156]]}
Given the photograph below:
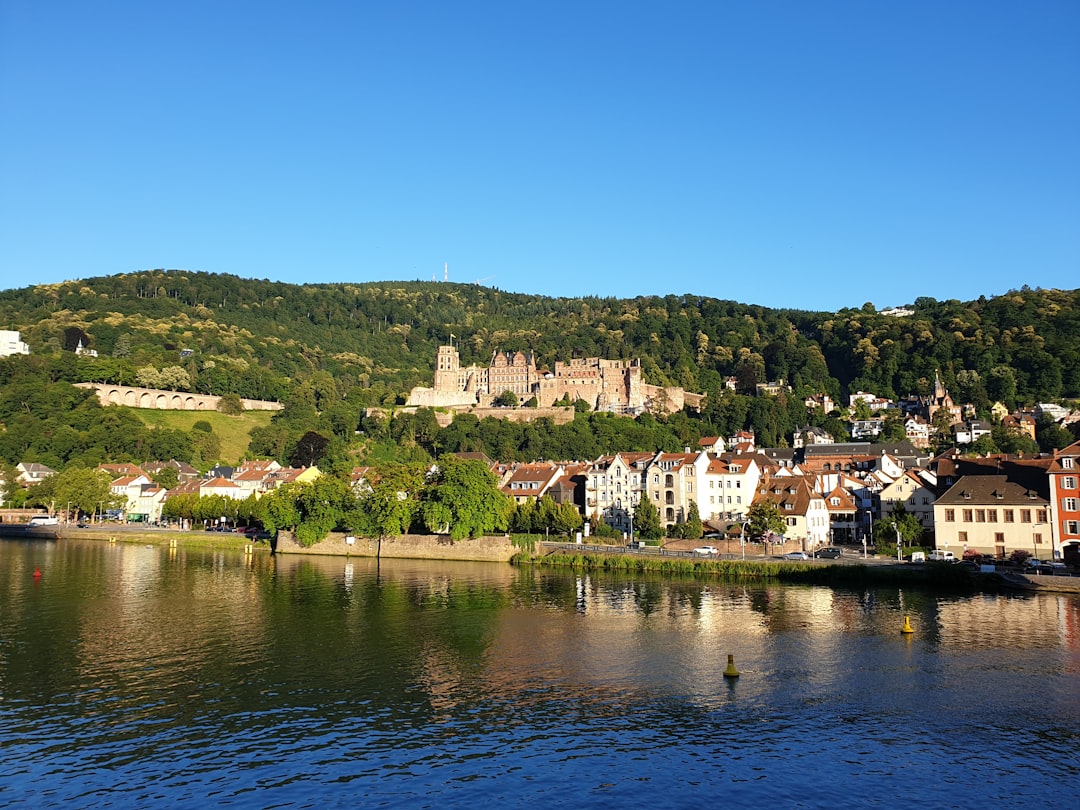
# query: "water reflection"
{"points": [[274, 681]]}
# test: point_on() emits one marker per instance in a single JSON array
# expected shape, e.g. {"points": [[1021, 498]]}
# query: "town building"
{"points": [[614, 486], [1064, 475], [728, 486], [11, 343], [805, 511], [993, 515]]}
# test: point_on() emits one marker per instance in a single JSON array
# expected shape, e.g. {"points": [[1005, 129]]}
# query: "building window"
{"points": [[1068, 483], [980, 516], [991, 515], [1072, 527], [1008, 514], [1070, 504], [1040, 516], [967, 516], [1025, 516], [1036, 539], [999, 538], [950, 515], [962, 537], [1066, 463]]}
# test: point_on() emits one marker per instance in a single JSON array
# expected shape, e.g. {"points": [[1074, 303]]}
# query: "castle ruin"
{"points": [[604, 385]]}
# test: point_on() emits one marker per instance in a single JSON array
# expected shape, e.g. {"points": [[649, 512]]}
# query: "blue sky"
{"points": [[791, 154]]}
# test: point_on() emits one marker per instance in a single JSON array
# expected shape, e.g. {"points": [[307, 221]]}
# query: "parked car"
{"points": [[705, 550], [796, 555], [941, 556], [828, 553]]}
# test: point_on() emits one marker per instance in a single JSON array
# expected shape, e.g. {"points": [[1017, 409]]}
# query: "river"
{"points": [[133, 677]]}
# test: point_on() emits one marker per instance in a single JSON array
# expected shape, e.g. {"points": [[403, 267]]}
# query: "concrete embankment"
{"points": [[1041, 582], [408, 546]]}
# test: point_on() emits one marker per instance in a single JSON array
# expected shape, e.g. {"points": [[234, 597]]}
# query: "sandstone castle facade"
{"points": [[605, 385]]}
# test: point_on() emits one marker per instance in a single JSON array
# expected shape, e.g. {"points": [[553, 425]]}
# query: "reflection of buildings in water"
{"points": [[1010, 622], [144, 612]]}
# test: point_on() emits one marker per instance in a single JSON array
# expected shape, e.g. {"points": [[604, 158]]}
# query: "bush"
{"points": [[231, 404]]}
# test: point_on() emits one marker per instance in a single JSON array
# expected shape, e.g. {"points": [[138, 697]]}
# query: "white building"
{"points": [[11, 343]]}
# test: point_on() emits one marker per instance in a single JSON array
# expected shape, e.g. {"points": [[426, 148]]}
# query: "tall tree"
{"points": [[463, 499], [647, 524]]}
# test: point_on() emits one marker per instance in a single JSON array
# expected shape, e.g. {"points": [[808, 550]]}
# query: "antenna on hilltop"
{"points": [[446, 271]]}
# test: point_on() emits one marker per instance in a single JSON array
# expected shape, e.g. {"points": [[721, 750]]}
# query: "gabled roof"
{"points": [[847, 500], [218, 483], [129, 480], [991, 490], [793, 494], [122, 469]]}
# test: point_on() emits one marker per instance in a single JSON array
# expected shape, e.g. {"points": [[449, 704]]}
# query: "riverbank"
{"points": [[936, 575], [162, 537]]}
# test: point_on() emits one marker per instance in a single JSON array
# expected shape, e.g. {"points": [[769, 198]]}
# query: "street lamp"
{"points": [[899, 546], [742, 537]]}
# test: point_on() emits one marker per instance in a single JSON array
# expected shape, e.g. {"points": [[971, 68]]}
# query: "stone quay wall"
{"points": [[407, 546]]}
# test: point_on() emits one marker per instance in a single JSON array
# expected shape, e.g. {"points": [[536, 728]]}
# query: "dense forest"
{"points": [[329, 351]]}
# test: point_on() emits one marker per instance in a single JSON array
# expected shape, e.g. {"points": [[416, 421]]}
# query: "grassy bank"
{"points": [[164, 537], [232, 430], [938, 576]]}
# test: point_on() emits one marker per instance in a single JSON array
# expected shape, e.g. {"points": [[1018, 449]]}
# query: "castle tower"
{"points": [[447, 368]]}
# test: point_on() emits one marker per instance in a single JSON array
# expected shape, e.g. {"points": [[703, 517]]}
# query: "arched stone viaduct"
{"points": [[167, 400]]}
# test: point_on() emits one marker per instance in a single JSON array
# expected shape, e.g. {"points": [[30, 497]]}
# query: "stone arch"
{"points": [[189, 404], [114, 397], [145, 400], [161, 402]]}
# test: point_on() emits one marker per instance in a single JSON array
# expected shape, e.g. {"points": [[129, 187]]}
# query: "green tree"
{"points": [[567, 519], [166, 477], [507, 399], [692, 528], [87, 491], [898, 520], [281, 509], [463, 499], [647, 524], [765, 518], [230, 404], [392, 503], [323, 505]]}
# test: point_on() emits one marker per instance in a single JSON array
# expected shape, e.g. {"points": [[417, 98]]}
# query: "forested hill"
{"points": [[259, 338]]}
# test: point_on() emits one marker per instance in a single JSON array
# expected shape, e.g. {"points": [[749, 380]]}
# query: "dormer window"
{"points": [[1067, 463]]}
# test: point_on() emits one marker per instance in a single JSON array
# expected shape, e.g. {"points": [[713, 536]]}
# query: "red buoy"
{"points": [[37, 573]]}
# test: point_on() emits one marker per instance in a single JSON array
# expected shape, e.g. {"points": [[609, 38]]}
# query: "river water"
{"points": [[134, 677]]}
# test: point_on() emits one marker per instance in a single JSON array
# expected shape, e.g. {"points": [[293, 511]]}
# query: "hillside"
{"points": [[260, 338], [232, 431]]}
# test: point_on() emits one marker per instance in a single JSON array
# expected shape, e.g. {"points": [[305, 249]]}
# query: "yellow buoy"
{"points": [[731, 672], [907, 628]]}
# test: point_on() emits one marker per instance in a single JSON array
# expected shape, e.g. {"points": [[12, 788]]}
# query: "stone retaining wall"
{"points": [[408, 546]]}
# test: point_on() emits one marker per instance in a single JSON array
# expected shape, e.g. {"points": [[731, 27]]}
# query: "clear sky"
{"points": [[790, 153]]}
